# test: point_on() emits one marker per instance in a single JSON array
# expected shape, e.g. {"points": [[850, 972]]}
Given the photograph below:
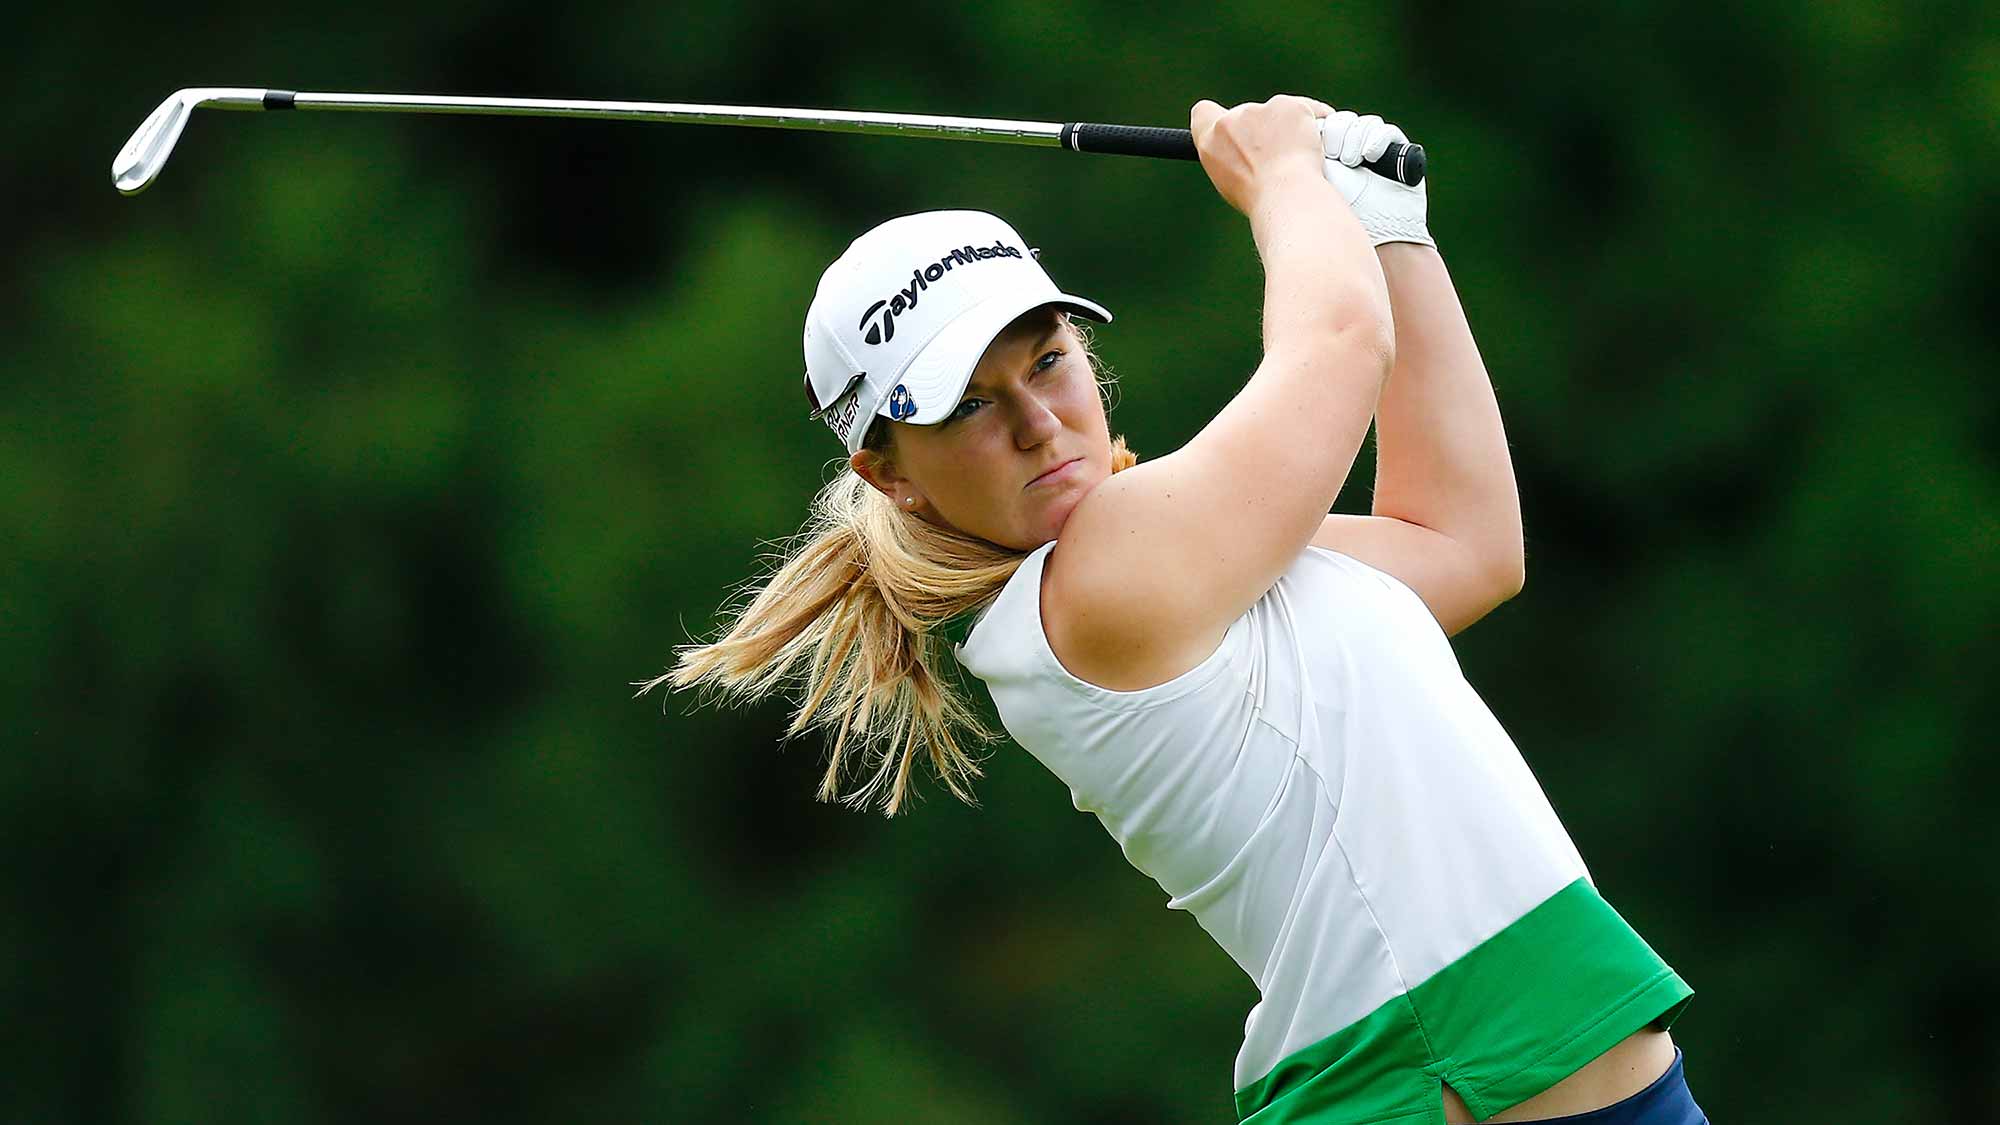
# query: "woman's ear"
{"points": [[877, 470]]}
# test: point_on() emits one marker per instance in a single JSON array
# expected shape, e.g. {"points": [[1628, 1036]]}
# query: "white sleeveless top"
{"points": [[1343, 815]]}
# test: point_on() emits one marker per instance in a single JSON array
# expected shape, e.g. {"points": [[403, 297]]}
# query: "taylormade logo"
{"points": [[878, 324]]}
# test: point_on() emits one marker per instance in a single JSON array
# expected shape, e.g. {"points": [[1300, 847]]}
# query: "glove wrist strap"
{"points": [[1382, 230]]}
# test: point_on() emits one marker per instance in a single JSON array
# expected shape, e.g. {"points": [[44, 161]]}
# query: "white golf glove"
{"points": [[1389, 211]]}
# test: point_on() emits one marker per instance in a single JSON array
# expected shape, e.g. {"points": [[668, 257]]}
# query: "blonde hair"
{"points": [[851, 617]]}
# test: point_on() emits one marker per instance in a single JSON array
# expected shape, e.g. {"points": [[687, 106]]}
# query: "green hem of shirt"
{"points": [[1524, 1009]]}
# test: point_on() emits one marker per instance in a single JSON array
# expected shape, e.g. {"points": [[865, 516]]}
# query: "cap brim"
{"points": [[937, 376]]}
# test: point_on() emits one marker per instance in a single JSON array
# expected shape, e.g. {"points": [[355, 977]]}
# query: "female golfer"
{"points": [[1255, 698]]}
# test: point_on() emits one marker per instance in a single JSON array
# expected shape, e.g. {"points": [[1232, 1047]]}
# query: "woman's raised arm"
{"points": [[1447, 515], [1157, 562]]}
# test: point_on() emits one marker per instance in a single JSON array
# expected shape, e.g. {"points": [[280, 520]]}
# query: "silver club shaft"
{"points": [[140, 161]]}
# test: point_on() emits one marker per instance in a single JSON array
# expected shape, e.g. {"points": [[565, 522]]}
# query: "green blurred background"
{"points": [[350, 475]]}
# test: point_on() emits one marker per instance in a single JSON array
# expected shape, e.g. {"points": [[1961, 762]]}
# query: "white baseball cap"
{"points": [[902, 317]]}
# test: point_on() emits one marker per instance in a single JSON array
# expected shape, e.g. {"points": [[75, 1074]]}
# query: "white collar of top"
{"points": [[902, 317]]}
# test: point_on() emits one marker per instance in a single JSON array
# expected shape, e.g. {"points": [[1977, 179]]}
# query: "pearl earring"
{"points": [[910, 501]]}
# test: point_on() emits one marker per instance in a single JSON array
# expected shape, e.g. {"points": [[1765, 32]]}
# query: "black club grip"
{"points": [[1403, 163], [1130, 140]]}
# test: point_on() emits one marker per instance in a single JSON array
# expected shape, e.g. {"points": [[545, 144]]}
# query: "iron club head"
{"points": [[140, 161]]}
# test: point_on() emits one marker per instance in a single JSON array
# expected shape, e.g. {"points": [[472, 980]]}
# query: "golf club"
{"points": [[138, 164]]}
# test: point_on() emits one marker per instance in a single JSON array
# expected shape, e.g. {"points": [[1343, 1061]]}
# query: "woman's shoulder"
{"points": [[1127, 644], [1121, 644], [1157, 562], [1008, 645]]}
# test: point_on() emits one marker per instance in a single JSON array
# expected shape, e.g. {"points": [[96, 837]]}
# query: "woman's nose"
{"points": [[1036, 425]]}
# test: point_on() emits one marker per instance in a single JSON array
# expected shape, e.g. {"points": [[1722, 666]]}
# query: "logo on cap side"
{"points": [[881, 329], [840, 416], [901, 404]]}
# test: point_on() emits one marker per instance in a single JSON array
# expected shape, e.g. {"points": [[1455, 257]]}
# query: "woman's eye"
{"points": [[965, 409], [1048, 361]]}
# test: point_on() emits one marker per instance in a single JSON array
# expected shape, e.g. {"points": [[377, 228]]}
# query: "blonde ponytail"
{"points": [[851, 620]]}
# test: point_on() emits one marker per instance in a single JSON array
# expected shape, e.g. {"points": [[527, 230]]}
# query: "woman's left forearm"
{"points": [[1441, 452]]}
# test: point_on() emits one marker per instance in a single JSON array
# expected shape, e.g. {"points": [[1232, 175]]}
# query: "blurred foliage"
{"points": [[350, 476]]}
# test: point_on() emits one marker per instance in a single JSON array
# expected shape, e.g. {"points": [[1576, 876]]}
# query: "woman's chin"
{"points": [[1043, 530], [1044, 524], [1051, 524]]}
